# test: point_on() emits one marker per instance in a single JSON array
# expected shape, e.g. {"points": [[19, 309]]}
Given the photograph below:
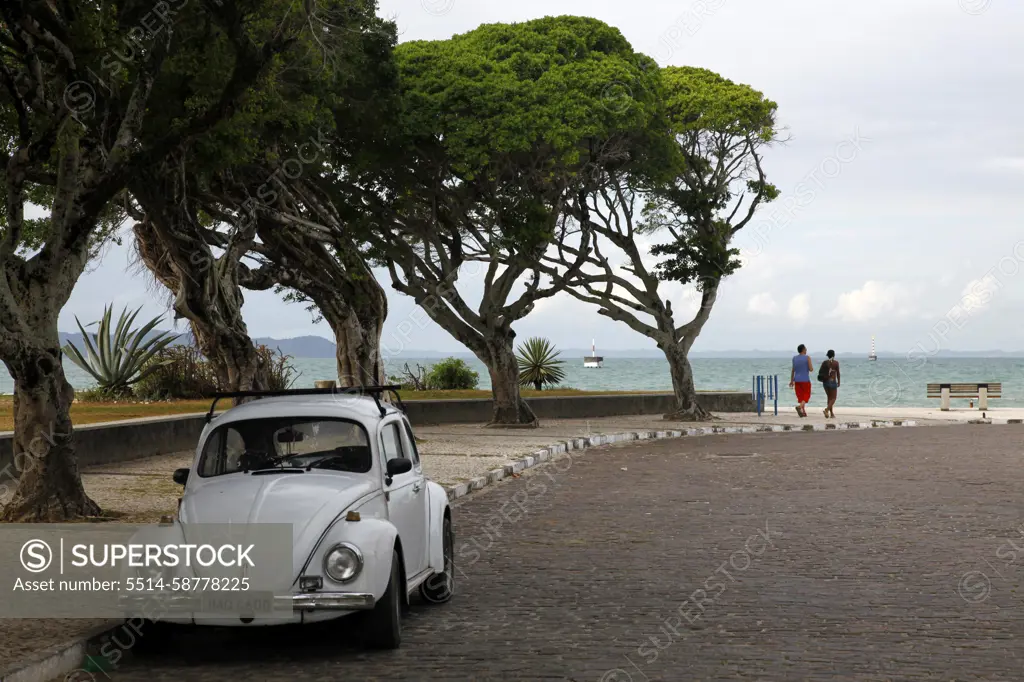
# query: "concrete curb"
{"points": [[58, 660], [562, 447]]}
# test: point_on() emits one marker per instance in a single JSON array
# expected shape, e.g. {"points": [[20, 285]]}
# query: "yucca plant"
{"points": [[538, 364], [118, 359]]}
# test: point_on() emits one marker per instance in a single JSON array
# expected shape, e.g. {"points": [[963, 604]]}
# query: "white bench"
{"points": [[982, 391]]}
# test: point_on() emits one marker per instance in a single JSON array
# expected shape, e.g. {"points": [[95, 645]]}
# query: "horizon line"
{"points": [[412, 352]]}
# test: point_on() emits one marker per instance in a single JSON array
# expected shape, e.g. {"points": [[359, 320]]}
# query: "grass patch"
{"points": [[94, 412]]}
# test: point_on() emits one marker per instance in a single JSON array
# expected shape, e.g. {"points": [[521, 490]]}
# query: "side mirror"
{"points": [[398, 466], [181, 476]]}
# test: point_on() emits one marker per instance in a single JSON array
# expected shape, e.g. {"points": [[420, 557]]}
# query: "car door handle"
{"points": [[416, 487]]}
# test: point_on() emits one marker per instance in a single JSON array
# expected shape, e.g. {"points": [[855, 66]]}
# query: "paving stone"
{"points": [[865, 555]]}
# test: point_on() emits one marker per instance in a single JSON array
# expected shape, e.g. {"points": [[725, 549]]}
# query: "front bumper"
{"points": [[331, 601], [235, 603]]}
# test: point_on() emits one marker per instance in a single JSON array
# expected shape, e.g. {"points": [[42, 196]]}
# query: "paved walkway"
{"points": [[879, 554]]}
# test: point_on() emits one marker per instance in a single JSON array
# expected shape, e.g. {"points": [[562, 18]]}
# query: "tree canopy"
{"points": [[500, 130]]}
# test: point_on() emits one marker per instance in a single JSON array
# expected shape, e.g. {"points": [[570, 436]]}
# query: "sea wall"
{"points": [[106, 443], [572, 407]]}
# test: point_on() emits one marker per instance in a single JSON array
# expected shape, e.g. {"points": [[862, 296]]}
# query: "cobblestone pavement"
{"points": [[873, 555]]}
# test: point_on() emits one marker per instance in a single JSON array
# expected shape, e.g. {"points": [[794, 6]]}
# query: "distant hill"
{"points": [[301, 346], [298, 347]]}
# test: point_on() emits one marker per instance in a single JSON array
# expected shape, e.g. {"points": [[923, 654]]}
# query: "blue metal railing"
{"points": [[764, 388]]}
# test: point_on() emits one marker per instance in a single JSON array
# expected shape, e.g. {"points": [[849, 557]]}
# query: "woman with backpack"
{"points": [[828, 375]]}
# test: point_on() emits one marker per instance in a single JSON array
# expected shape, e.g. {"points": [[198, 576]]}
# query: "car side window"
{"points": [[392, 442], [222, 452], [412, 442], [212, 461]]}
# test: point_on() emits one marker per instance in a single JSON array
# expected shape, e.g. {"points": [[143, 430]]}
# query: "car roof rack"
{"points": [[373, 391]]}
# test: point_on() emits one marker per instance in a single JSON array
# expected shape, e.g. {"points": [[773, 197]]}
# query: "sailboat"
{"points": [[594, 360], [873, 355]]}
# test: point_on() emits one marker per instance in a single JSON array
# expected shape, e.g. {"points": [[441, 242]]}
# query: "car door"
{"points": [[405, 498]]}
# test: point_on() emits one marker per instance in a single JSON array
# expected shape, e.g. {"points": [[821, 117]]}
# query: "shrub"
{"points": [[410, 380], [96, 394], [118, 358], [181, 373], [452, 374], [278, 368], [539, 364]]}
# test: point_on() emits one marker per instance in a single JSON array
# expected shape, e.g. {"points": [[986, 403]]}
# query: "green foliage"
{"points": [[720, 128], [116, 359], [506, 89], [451, 374], [320, 97], [698, 101], [178, 373], [539, 364], [698, 258], [511, 119]]}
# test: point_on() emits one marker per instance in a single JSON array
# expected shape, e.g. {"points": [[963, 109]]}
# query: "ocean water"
{"points": [[884, 383]]}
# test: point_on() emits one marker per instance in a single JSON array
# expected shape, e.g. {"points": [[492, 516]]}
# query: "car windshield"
{"points": [[288, 444]]}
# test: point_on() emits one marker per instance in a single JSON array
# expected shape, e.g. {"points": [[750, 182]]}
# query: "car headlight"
{"points": [[343, 562]]}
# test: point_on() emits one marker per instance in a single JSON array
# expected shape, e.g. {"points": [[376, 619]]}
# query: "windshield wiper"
{"points": [[278, 470]]}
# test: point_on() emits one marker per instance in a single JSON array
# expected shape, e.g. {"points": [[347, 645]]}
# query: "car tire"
{"points": [[439, 588], [384, 622], [153, 637]]}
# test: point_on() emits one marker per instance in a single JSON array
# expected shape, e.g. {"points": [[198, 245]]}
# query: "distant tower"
{"points": [[873, 355], [594, 360]]}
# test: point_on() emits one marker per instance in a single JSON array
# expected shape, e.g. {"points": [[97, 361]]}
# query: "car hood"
{"points": [[309, 501]]}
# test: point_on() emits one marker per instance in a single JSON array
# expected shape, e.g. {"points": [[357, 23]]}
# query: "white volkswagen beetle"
{"points": [[368, 528]]}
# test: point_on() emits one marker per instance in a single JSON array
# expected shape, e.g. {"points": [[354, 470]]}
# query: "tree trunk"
{"points": [[206, 288], [686, 408], [49, 488], [233, 356], [358, 350], [342, 287], [503, 367]]}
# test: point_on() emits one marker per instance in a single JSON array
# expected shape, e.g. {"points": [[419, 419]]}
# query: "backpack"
{"points": [[823, 371]]}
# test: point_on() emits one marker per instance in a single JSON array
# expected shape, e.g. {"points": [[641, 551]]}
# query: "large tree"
{"points": [[225, 199], [500, 128], [331, 274], [308, 249], [80, 83], [691, 203]]}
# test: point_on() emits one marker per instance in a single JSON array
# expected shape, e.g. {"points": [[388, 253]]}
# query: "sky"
{"points": [[900, 179]]}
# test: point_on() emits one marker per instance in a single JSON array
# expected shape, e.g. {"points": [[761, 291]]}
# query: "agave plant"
{"points": [[117, 360], [538, 364]]}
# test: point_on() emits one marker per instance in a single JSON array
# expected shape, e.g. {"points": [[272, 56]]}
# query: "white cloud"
{"points": [[800, 307], [978, 294], [762, 304], [874, 299]]}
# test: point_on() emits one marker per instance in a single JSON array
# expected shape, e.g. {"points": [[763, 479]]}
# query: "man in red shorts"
{"points": [[800, 378]]}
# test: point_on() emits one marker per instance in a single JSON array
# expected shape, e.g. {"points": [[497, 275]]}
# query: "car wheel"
{"points": [[384, 625], [153, 637], [440, 587]]}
